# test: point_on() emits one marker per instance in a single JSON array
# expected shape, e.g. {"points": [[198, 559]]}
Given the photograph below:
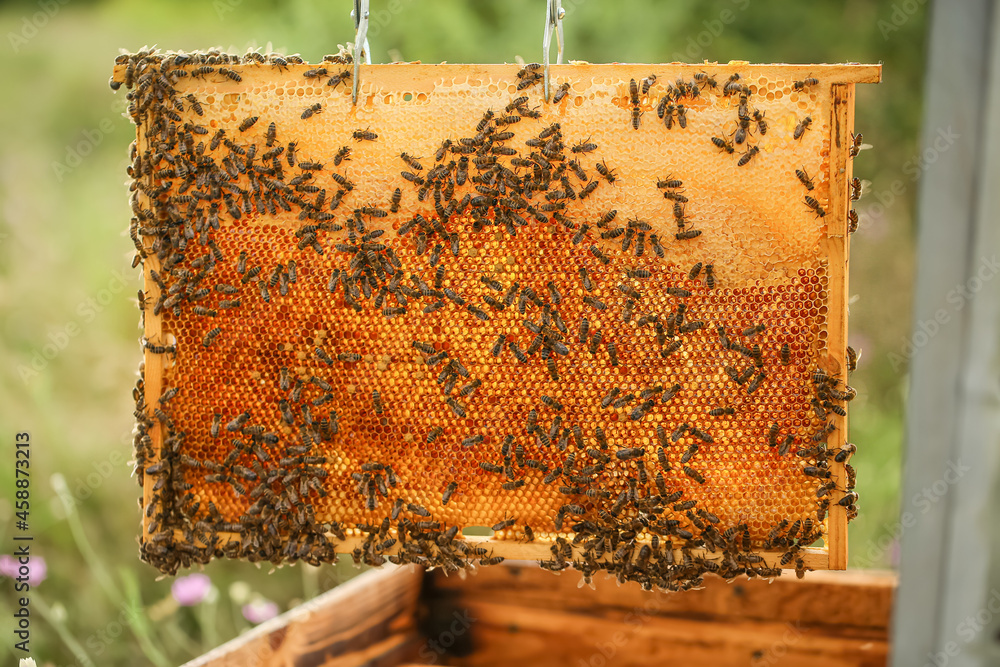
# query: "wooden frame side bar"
{"points": [[838, 251]]}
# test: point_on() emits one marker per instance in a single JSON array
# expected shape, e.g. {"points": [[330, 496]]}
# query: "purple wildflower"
{"points": [[260, 610], [191, 590], [37, 569]]}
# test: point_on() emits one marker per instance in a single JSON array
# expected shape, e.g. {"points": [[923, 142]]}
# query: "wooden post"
{"points": [[949, 518]]}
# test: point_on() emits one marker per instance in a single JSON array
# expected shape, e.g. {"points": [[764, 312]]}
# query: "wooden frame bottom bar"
{"points": [[540, 550]]}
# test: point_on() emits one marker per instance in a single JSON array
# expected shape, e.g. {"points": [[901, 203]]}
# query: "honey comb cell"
{"points": [[588, 328]]}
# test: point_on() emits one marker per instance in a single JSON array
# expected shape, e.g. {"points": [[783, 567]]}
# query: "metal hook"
{"points": [[553, 21], [361, 49]]}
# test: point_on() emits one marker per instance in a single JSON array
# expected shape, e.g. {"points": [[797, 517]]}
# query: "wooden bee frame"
{"points": [[772, 231]]}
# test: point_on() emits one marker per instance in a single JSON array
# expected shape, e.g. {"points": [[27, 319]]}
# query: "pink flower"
{"points": [[190, 590], [260, 610], [37, 569]]}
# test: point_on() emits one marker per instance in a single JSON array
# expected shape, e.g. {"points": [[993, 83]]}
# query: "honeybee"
{"points": [[309, 112], [758, 117], [813, 471], [682, 116], [723, 145], [813, 204], [801, 85], [339, 78], [850, 498], [411, 162], [456, 407], [448, 491], [613, 353], [230, 74], [636, 115], [498, 345], [694, 474], [216, 423], [804, 178], [472, 441], [852, 359], [704, 80], [364, 135], [607, 172], [785, 354], [852, 218], [855, 188], [211, 336], [248, 123], [561, 93], [801, 127], [746, 157], [689, 234], [845, 452], [733, 86], [661, 108], [856, 143]]}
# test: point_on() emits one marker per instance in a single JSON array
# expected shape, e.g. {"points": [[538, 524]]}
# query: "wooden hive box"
{"points": [[518, 614], [609, 328]]}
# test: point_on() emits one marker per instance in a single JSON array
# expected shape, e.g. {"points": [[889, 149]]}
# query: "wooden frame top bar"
{"points": [[843, 73]]}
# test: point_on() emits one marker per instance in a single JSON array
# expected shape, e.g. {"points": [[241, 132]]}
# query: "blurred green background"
{"points": [[69, 328]]}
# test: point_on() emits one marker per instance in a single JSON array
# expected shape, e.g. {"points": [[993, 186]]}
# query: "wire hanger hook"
{"points": [[361, 48], [553, 21]]}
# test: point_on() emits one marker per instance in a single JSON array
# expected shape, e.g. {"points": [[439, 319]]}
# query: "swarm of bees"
{"points": [[262, 487]]}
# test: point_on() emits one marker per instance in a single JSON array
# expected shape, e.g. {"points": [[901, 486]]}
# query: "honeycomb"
{"points": [[609, 327]]}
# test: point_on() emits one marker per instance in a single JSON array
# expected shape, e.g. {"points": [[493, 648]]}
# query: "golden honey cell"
{"points": [[457, 305]]}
